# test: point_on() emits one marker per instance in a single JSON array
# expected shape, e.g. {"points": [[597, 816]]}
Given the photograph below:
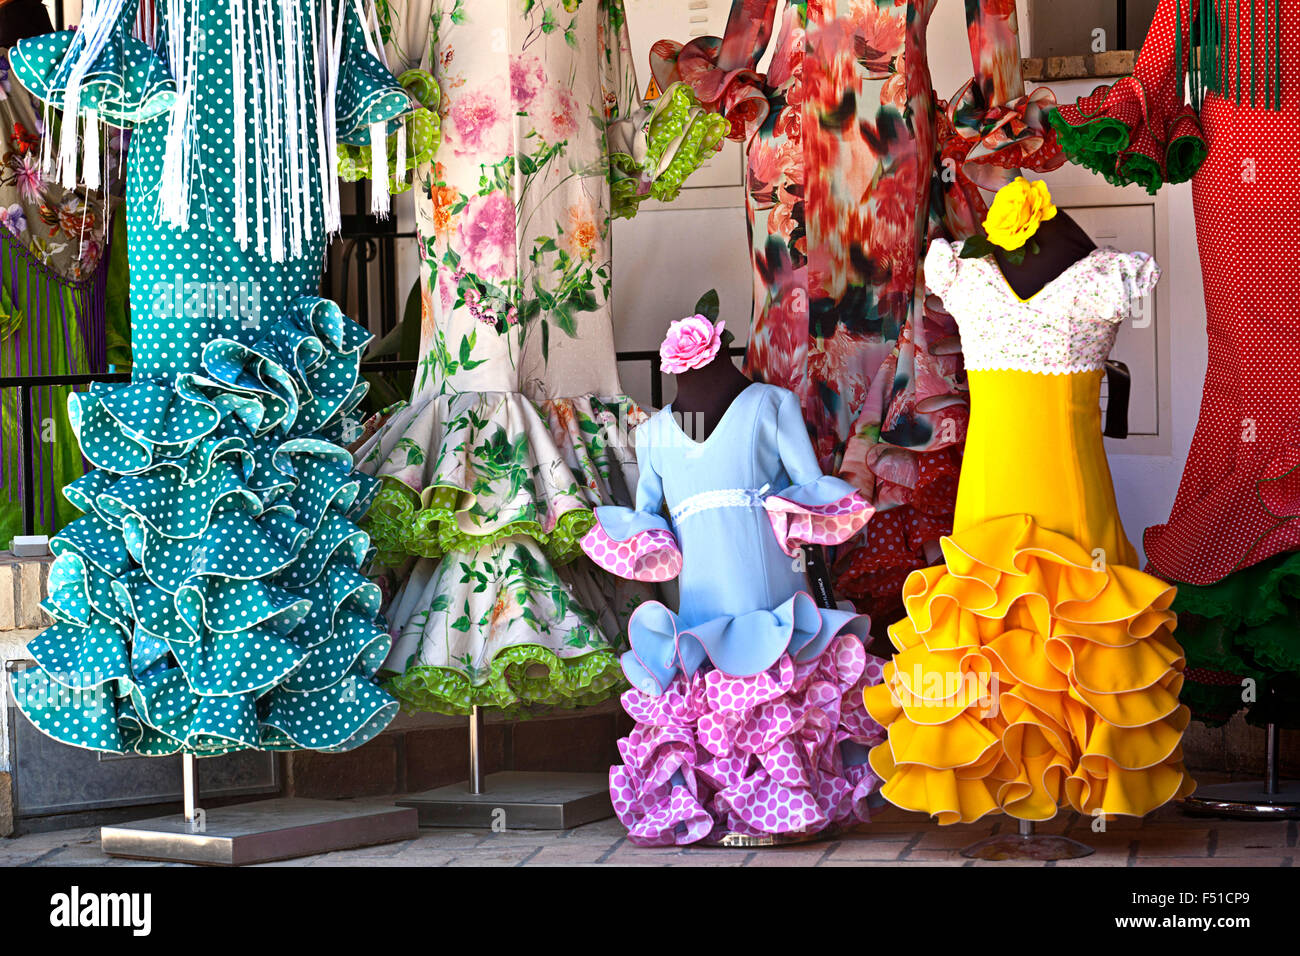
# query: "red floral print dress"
{"points": [[853, 166]]}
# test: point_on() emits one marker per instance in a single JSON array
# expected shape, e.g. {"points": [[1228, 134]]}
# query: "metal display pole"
{"points": [[1270, 799], [1027, 844], [190, 783], [257, 832], [512, 800]]}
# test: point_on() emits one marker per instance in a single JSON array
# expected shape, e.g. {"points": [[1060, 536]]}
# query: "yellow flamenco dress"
{"points": [[1037, 668]]}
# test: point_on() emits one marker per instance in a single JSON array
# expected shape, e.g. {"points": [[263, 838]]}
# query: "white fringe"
{"points": [[90, 150], [330, 179], [285, 63], [238, 28], [399, 174], [98, 21], [379, 198]]}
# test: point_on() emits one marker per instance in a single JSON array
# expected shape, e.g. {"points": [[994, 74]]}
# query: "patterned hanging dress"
{"points": [[1232, 540], [211, 599], [517, 428], [852, 167]]}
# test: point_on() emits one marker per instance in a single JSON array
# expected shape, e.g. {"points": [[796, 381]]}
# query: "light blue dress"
{"points": [[748, 698]]}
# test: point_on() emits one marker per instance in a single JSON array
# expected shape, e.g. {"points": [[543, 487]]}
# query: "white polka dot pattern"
{"points": [[211, 599], [752, 755], [648, 556], [796, 524]]}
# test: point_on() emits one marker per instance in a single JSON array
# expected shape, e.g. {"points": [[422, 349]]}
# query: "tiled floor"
{"points": [[1168, 837]]}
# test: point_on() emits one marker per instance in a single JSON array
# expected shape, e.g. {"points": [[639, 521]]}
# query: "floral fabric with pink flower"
{"points": [[517, 426], [692, 342], [843, 137]]}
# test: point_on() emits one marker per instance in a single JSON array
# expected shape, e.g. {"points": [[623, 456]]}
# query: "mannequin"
{"points": [[704, 394], [1061, 243]]}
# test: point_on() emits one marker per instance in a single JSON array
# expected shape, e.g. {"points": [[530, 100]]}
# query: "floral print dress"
{"points": [[53, 240], [853, 166], [517, 428]]}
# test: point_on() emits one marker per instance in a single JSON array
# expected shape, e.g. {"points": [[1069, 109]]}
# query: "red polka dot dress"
{"points": [[1233, 533]]}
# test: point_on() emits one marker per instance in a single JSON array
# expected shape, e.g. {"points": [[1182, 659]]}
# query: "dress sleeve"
{"points": [[992, 129], [941, 266], [653, 147], [722, 71], [113, 74], [815, 508], [1140, 130], [637, 543], [368, 95]]}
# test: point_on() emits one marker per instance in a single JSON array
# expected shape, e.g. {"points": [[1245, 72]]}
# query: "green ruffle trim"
{"points": [[1245, 625], [399, 527], [566, 684], [1099, 145], [680, 137], [1251, 596], [423, 136]]}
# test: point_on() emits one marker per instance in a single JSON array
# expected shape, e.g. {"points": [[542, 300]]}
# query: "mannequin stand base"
{"points": [[512, 800], [1034, 846], [1247, 800], [259, 832], [750, 841]]}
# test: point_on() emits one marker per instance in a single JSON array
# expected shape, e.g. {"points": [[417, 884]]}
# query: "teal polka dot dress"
{"points": [[212, 598]]}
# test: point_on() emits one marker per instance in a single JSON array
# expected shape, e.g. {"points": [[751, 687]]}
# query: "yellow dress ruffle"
{"points": [[1030, 676]]}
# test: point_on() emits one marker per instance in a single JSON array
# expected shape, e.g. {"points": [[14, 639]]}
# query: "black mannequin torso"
{"points": [[1061, 243], [704, 394]]}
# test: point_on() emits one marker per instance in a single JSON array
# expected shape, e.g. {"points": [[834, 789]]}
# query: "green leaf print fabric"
{"points": [[518, 427], [211, 599]]}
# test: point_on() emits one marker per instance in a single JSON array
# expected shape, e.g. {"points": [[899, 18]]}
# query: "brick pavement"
{"points": [[1167, 837]]}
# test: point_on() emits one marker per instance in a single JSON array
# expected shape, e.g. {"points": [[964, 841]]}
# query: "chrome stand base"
{"points": [[750, 841], [1248, 800], [513, 800], [1032, 846], [259, 832]]}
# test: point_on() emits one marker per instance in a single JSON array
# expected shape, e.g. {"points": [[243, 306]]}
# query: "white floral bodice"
{"points": [[1067, 327]]}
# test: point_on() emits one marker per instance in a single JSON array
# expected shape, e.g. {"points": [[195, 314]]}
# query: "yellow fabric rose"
{"points": [[1017, 211]]}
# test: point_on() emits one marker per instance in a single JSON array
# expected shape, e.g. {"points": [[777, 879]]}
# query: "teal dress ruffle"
{"points": [[212, 598]]}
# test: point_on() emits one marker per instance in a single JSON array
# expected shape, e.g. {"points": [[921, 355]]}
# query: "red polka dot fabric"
{"points": [[876, 563], [1239, 498]]}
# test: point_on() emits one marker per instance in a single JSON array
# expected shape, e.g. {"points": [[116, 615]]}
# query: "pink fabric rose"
{"points": [[691, 342]]}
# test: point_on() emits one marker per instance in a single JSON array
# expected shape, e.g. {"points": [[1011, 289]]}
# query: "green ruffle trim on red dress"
{"points": [[1245, 627], [1101, 144]]}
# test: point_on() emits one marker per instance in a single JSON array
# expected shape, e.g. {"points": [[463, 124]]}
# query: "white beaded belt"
{"points": [[720, 498]]}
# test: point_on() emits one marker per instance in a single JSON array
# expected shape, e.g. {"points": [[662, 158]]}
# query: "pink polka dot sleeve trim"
{"points": [[646, 556], [796, 524]]}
